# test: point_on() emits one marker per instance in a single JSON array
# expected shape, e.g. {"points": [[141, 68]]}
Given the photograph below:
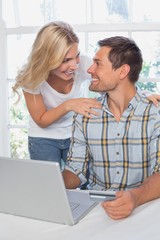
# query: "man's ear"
{"points": [[125, 68]]}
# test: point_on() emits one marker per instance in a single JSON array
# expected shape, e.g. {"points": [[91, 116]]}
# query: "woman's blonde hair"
{"points": [[48, 51]]}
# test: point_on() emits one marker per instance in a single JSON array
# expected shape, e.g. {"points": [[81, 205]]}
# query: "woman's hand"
{"points": [[84, 106], [155, 98]]}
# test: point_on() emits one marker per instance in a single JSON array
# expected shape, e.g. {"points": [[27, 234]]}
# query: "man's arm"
{"points": [[127, 201], [71, 180], [74, 172], [149, 190]]}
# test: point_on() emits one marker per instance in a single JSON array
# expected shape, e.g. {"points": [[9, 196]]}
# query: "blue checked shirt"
{"points": [[118, 155]]}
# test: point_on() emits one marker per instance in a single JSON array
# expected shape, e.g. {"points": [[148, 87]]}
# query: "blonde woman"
{"points": [[54, 89]]}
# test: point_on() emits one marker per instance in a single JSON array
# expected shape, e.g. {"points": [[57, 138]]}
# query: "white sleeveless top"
{"points": [[60, 129]]}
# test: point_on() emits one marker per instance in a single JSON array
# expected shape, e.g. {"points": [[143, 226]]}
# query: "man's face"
{"points": [[104, 78]]}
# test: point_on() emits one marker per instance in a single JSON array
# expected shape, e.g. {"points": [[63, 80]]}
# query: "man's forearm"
{"points": [[70, 179], [149, 190]]}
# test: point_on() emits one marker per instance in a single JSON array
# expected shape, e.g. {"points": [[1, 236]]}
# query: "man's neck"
{"points": [[119, 101]]}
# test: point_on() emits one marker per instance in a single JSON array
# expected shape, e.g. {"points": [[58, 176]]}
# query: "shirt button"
{"points": [[117, 153], [118, 134], [117, 172]]}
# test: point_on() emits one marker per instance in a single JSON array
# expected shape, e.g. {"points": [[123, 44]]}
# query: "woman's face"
{"points": [[69, 65]]}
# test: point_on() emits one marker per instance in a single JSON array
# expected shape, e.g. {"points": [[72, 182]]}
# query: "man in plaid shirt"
{"points": [[120, 148]]}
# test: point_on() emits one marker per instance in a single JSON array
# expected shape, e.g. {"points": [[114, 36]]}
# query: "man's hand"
{"points": [[122, 207]]}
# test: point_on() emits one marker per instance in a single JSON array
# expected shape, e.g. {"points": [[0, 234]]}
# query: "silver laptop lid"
{"points": [[34, 189]]}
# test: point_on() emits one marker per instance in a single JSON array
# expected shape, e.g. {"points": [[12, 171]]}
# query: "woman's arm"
{"points": [[44, 117]]}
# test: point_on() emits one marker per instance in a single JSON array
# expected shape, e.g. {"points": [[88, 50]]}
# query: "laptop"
{"points": [[35, 189]]}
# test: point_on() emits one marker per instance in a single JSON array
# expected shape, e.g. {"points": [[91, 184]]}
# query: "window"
{"points": [[20, 22]]}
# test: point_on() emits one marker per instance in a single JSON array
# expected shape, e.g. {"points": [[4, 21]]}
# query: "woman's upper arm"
{"points": [[35, 105]]}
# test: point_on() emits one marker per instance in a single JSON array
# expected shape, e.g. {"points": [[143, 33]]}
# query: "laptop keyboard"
{"points": [[73, 205]]}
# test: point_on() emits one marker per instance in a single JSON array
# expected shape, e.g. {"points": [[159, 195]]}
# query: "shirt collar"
{"points": [[132, 104], [136, 99]]}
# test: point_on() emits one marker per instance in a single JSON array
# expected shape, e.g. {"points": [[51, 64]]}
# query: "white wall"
{"points": [[3, 90]]}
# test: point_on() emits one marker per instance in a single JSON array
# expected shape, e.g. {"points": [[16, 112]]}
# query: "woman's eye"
{"points": [[65, 60]]}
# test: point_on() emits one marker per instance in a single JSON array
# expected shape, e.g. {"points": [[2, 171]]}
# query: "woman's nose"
{"points": [[74, 64]]}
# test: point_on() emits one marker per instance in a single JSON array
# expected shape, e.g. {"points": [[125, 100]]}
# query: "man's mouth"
{"points": [[93, 80]]}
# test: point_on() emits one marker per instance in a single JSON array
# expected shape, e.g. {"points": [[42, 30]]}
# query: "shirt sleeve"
{"points": [[32, 91], [77, 156]]}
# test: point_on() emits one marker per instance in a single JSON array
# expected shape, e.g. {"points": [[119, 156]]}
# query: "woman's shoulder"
{"points": [[36, 90]]}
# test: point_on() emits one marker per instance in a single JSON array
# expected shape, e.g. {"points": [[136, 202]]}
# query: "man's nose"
{"points": [[90, 70]]}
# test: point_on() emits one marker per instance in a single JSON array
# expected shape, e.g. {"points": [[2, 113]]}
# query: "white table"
{"points": [[143, 224]]}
